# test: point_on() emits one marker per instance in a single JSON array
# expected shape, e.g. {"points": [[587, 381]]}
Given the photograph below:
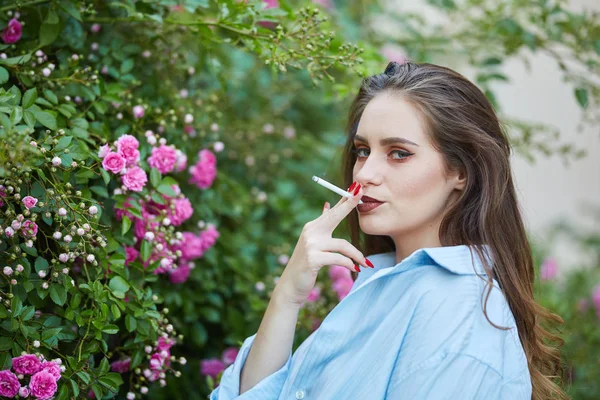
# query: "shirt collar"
{"points": [[456, 259]]}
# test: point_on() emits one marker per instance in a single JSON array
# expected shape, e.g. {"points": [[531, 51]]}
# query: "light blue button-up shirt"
{"points": [[411, 330]]}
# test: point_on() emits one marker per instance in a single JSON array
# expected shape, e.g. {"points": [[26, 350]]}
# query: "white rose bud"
{"points": [[57, 235], [36, 343], [93, 210], [45, 285], [56, 161], [91, 257], [149, 236], [68, 239], [80, 232], [189, 118], [42, 274], [62, 212]]}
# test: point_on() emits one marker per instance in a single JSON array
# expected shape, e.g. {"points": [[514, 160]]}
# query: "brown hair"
{"points": [[463, 126]]}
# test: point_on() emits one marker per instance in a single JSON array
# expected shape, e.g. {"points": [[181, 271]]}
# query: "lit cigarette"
{"points": [[334, 188]]}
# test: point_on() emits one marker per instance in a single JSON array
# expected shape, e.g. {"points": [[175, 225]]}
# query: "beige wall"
{"points": [[548, 189]]}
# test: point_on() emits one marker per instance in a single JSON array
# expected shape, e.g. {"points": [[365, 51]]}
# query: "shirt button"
{"points": [[300, 394]]}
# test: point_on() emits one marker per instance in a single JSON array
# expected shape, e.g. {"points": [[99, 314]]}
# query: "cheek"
{"points": [[420, 183]]}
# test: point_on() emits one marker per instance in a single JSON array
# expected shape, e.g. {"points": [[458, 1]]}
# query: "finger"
{"points": [[336, 214], [326, 258], [326, 206], [345, 248]]}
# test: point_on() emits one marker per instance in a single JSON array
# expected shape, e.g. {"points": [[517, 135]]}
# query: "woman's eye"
{"points": [[395, 154]]}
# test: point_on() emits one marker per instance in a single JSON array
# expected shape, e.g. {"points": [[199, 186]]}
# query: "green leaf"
{"points": [[130, 323], [118, 284], [155, 177], [3, 75], [29, 98], [49, 94], [126, 224], [46, 119], [70, 8], [105, 176], [29, 118], [63, 143], [58, 293], [16, 115], [115, 311], [63, 393], [75, 388], [40, 264], [97, 389], [50, 333], [110, 329], [28, 313], [49, 31], [85, 377], [582, 97], [146, 250], [5, 343], [127, 66]]}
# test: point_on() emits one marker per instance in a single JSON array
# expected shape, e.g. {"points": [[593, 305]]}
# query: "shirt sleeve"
{"points": [[455, 376], [267, 389]]}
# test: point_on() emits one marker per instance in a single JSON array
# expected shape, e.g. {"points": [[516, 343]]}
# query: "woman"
{"points": [[443, 308]]}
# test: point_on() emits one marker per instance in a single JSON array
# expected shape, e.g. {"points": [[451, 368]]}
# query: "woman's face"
{"points": [[406, 174]]}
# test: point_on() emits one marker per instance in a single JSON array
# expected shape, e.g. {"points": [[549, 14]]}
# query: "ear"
{"points": [[460, 180]]}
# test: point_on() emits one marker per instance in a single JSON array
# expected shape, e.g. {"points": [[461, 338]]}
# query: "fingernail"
{"points": [[325, 206], [356, 268], [357, 189], [369, 263], [351, 187]]}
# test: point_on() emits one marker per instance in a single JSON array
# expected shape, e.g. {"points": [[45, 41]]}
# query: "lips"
{"points": [[367, 199], [369, 204]]}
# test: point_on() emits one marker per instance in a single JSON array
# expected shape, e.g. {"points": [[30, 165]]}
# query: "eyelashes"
{"points": [[403, 154]]}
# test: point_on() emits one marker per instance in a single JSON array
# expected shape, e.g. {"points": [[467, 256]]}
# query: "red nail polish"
{"points": [[351, 187], [357, 189], [369, 263], [356, 268]]}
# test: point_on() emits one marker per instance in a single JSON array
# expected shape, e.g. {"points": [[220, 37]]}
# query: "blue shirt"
{"points": [[410, 330]]}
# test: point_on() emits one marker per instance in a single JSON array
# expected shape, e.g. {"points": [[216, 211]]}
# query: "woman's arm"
{"points": [[273, 342]]}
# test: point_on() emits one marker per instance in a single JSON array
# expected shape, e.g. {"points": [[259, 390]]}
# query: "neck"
{"points": [[408, 242]]}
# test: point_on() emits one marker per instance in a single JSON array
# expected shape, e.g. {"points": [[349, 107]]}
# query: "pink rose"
{"points": [[156, 361], [183, 211], [29, 202], [342, 287], [337, 272], [12, 33], [181, 162], [127, 146], [121, 366], [163, 158], [135, 179], [131, 254], [596, 297], [164, 343], [24, 391], [229, 355], [29, 229], [549, 269], [52, 368], [9, 384], [43, 385], [138, 111], [211, 367], [269, 4], [205, 170], [314, 295], [113, 162], [180, 274], [103, 151]]}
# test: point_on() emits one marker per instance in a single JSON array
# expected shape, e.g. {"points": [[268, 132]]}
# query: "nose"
{"points": [[369, 172]]}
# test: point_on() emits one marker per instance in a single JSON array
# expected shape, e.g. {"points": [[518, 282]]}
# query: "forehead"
{"points": [[390, 115]]}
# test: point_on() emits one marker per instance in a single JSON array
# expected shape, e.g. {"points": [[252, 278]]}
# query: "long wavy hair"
{"points": [[464, 128]]}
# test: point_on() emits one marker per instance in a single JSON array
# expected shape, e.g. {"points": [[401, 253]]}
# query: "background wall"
{"points": [[549, 190]]}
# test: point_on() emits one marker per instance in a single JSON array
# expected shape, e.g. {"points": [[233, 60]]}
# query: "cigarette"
{"points": [[334, 188]]}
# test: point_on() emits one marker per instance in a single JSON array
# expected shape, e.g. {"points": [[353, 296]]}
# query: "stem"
{"points": [[25, 4]]}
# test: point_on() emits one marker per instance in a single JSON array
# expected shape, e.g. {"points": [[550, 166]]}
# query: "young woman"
{"points": [[443, 307]]}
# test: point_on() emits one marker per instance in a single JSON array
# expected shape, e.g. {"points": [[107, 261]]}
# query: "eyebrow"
{"points": [[387, 141]]}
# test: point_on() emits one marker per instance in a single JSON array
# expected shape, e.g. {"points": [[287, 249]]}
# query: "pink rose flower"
{"points": [[191, 246], [549, 269], [103, 151], [138, 111], [29, 202], [342, 287], [43, 385], [121, 366], [393, 53], [24, 391], [9, 384], [127, 147], [113, 162], [596, 297], [12, 33], [135, 179], [314, 295], [211, 367], [180, 274], [269, 4], [229, 355], [131, 254], [29, 229], [156, 361], [163, 158], [52, 368], [181, 162], [205, 170], [164, 344], [337, 272], [183, 211]]}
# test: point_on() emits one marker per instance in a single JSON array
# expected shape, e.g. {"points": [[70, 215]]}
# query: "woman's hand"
{"points": [[316, 248]]}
